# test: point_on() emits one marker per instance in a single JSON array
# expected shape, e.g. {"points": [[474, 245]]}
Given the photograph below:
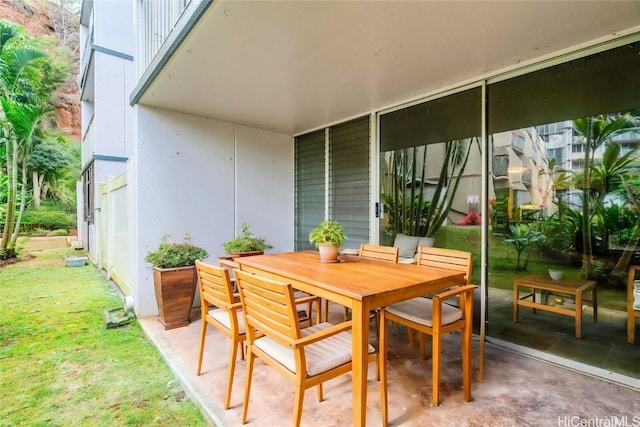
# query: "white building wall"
{"points": [[111, 105], [264, 193], [113, 25], [186, 181]]}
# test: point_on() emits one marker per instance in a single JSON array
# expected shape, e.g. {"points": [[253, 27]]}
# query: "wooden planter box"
{"points": [[241, 254], [175, 289]]}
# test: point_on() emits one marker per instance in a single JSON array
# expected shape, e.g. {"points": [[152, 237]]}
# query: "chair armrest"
{"points": [[235, 306], [320, 335], [453, 292], [306, 299]]}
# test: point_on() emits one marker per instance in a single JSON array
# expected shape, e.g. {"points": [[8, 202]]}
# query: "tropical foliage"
{"points": [[595, 132], [412, 207], [28, 78], [524, 236]]}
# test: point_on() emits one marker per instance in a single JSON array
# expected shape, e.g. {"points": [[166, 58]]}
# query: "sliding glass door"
{"points": [[555, 171], [564, 160]]}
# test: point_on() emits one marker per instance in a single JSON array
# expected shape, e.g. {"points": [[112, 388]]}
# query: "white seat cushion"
{"points": [[420, 310], [222, 317], [321, 356]]}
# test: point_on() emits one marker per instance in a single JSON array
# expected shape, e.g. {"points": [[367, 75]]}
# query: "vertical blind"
{"points": [[309, 195], [348, 177], [349, 184]]}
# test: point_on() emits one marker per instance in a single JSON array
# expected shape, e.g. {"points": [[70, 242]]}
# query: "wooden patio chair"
{"points": [[633, 311], [305, 357], [375, 252], [216, 290], [435, 317], [304, 300]]}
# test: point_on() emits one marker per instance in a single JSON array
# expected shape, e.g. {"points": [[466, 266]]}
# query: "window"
{"points": [[88, 183], [337, 187]]}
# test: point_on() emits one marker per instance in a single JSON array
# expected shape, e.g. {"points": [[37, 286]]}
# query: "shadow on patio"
{"points": [[517, 390]]}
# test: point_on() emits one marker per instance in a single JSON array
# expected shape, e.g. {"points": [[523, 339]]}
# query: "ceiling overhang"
{"points": [[296, 66]]}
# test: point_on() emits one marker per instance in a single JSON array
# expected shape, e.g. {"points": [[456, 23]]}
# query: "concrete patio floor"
{"points": [[517, 389]]}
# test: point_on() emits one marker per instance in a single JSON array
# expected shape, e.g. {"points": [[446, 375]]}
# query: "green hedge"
{"points": [[48, 220]]}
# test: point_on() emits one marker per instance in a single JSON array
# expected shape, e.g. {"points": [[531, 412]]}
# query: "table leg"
{"points": [[359, 344], [579, 314], [516, 290]]}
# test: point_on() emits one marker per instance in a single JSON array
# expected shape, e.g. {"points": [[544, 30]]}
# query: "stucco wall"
{"points": [[206, 177]]}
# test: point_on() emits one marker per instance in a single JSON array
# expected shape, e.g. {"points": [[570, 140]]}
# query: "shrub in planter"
{"points": [[245, 242], [174, 279]]}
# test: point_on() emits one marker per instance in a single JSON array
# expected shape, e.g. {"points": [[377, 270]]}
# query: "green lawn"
{"points": [[59, 365], [502, 263]]}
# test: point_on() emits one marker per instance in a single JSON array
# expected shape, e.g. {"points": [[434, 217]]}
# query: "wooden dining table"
{"points": [[356, 283]]}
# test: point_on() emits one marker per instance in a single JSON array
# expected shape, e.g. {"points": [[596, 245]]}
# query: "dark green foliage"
{"points": [[49, 220], [49, 157], [560, 230], [523, 236]]}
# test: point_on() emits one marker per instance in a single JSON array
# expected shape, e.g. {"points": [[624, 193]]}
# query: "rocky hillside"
{"points": [[44, 18]]}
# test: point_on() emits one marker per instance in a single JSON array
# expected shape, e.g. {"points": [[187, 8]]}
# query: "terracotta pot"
{"points": [[328, 252], [175, 289]]}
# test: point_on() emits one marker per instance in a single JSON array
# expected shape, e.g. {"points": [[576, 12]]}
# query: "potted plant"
{"points": [[328, 236], [245, 244], [175, 279]]}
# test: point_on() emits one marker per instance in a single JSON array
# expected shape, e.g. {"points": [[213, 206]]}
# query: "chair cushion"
{"points": [[426, 241], [222, 317], [420, 310], [321, 356], [407, 245]]}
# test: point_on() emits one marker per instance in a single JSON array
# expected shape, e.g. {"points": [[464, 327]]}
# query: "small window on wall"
{"points": [[88, 186]]}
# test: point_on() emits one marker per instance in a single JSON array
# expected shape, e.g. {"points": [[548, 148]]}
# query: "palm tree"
{"points": [[596, 131], [21, 113]]}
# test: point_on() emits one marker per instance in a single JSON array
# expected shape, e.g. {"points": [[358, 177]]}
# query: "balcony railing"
{"points": [[526, 176], [86, 55], [517, 142], [500, 166], [157, 20]]}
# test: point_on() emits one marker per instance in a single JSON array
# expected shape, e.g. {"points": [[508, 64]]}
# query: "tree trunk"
{"points": [[12, 183], [587, 252], [36, 189], [23, 202]]}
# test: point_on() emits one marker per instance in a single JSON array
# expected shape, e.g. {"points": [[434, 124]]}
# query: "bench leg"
{"points": [[579, 315]]}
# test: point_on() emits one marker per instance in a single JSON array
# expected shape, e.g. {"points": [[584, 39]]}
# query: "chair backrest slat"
{"points": [[269, 307], [378, 252], [449, 259], [215, 285]]}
